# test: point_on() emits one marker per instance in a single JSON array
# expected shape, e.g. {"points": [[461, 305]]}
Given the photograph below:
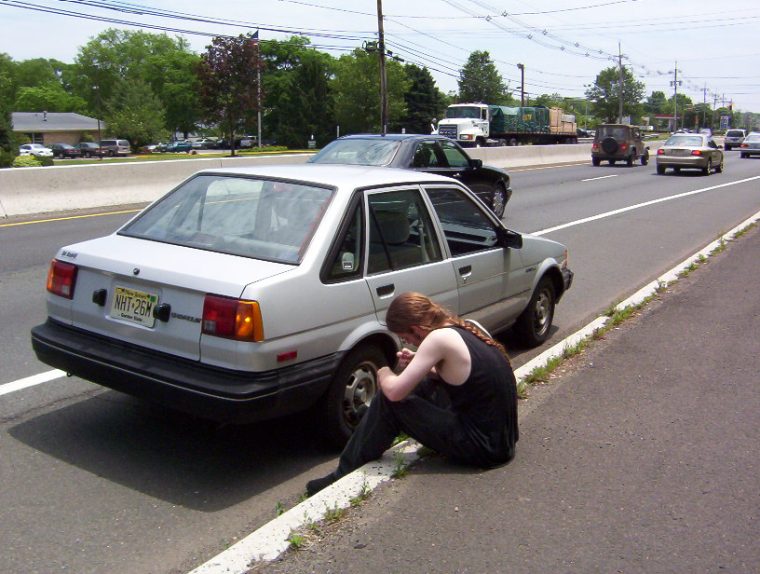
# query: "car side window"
{"points": [[466, 227], [425, 156], [454, 155], [346, 261], [401, 232]]}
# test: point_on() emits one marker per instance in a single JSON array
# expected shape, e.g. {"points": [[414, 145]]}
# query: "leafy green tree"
{"points": [[229, 80], [357, 93], [39, 72], [605, 93], [298, 102], [550, 101], [424, 101], [8, 149], [480, 81], [50, 97], [117, 56], [656, 103], [135, 113]]}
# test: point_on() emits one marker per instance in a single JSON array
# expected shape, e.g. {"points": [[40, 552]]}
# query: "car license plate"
{"points": [[135, 306]]}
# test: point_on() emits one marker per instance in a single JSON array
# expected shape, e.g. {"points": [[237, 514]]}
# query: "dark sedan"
{"points": [[65, 151], [428, 153], [89, 149]]}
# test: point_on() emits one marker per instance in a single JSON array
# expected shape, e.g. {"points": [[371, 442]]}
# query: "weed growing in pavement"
{"points": [[400, 469], [363, 494], [296, 541], [334, 514]]}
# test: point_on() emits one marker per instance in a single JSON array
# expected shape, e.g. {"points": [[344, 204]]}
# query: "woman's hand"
{"points": [[404, 358]]}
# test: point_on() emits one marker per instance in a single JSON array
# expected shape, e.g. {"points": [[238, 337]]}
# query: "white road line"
{"points": [[600, 177], [639, 206], [30, 381]]}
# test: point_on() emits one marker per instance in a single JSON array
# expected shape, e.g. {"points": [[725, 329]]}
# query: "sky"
{"points": [[562, 45]]}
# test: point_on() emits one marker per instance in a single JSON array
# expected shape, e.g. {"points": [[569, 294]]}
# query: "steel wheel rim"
{"points": [[359, 392]]}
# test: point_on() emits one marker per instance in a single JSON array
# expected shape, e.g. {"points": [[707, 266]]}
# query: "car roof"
{"points": [[338, 175]]}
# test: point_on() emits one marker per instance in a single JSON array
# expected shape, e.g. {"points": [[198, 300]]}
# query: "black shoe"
{"points": [[314, 486]]}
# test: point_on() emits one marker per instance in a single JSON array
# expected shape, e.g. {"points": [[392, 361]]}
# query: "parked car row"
{"points": [[111, 148]]}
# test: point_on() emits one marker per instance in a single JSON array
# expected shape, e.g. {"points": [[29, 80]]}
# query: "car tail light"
{"points": [[623, 146], [660, 151], [62, 278], [696, 152], [595, 147], [232, 318]]}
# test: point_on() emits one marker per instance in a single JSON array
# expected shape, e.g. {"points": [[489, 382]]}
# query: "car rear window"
{"points": [[617, 132], [734, 134], [262, 219], [358, 152]]}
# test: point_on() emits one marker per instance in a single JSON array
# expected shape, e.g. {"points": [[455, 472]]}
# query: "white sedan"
{"points": [[250, 293], [37, 150]]}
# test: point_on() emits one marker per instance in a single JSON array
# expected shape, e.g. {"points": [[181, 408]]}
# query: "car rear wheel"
{"points": [[719, 167], [660, 170], [744, 155], [629, 159], [499, 201], [645, 158], [707, 170], [352, 390], [596, 162], [534, 323]]}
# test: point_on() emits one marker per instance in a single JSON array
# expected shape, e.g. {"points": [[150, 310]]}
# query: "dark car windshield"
{"points": [[263, 219], [356, 151]]}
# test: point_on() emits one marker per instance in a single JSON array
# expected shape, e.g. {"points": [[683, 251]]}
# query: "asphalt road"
{"points": [[642, 456], [94, 481]]}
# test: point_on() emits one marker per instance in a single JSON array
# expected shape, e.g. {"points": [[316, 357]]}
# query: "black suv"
{"points": [[613, 142]]}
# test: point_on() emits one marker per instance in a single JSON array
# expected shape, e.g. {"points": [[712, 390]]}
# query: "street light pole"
{"points": [[522, 83]]}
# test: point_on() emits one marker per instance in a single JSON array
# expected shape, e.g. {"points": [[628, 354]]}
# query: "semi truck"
{"points": [[480, 125]]}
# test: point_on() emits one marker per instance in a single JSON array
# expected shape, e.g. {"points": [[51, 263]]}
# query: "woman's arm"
{"points": [[432, 350]]}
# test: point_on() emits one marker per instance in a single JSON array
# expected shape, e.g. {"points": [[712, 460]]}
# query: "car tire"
{"points": [[744, 155], [499, 201], [609, 146], [351, 391], [629, 159], [645, 158], [660, 170], [719, 167], [728, 148], [534, 323], [707, 170], [596, 162]]}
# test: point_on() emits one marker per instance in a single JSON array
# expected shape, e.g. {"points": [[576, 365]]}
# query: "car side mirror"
{"points": [[508, 238], [476, 163]]}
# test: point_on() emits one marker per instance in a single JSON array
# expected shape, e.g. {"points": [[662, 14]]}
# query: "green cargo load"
{"points": [[520, 119]]}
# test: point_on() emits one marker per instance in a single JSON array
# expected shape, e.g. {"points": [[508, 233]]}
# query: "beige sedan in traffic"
{"points": [[690, 151]]}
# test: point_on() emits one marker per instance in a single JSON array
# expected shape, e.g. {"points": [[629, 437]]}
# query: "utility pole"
{"points": [[522, 83], [622, 85], [383, 77], [675, 83]]}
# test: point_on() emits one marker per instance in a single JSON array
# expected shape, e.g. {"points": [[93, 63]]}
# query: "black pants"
{"points": [[425, 415]]}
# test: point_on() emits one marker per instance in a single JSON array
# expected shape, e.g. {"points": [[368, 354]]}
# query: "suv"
{"points": [[115, 147], [613, 142], [734, 138]]}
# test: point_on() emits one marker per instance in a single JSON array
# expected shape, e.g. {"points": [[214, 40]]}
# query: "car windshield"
{"points": [[377, 151], [463, 112], [684, 141], [257, 218]]}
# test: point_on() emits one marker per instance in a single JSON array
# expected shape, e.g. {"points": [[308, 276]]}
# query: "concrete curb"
{"points": [[271, 540]]}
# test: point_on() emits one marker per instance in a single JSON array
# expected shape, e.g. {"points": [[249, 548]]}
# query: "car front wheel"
{"points": [[534, 323], [352, 390], [645, 158]]}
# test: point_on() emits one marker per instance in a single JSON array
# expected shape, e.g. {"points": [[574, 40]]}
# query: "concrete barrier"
{"points": [[26, 191]]}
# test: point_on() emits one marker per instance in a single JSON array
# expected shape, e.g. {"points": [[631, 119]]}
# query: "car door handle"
{"points": [[465, 272], [385, 290]]}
